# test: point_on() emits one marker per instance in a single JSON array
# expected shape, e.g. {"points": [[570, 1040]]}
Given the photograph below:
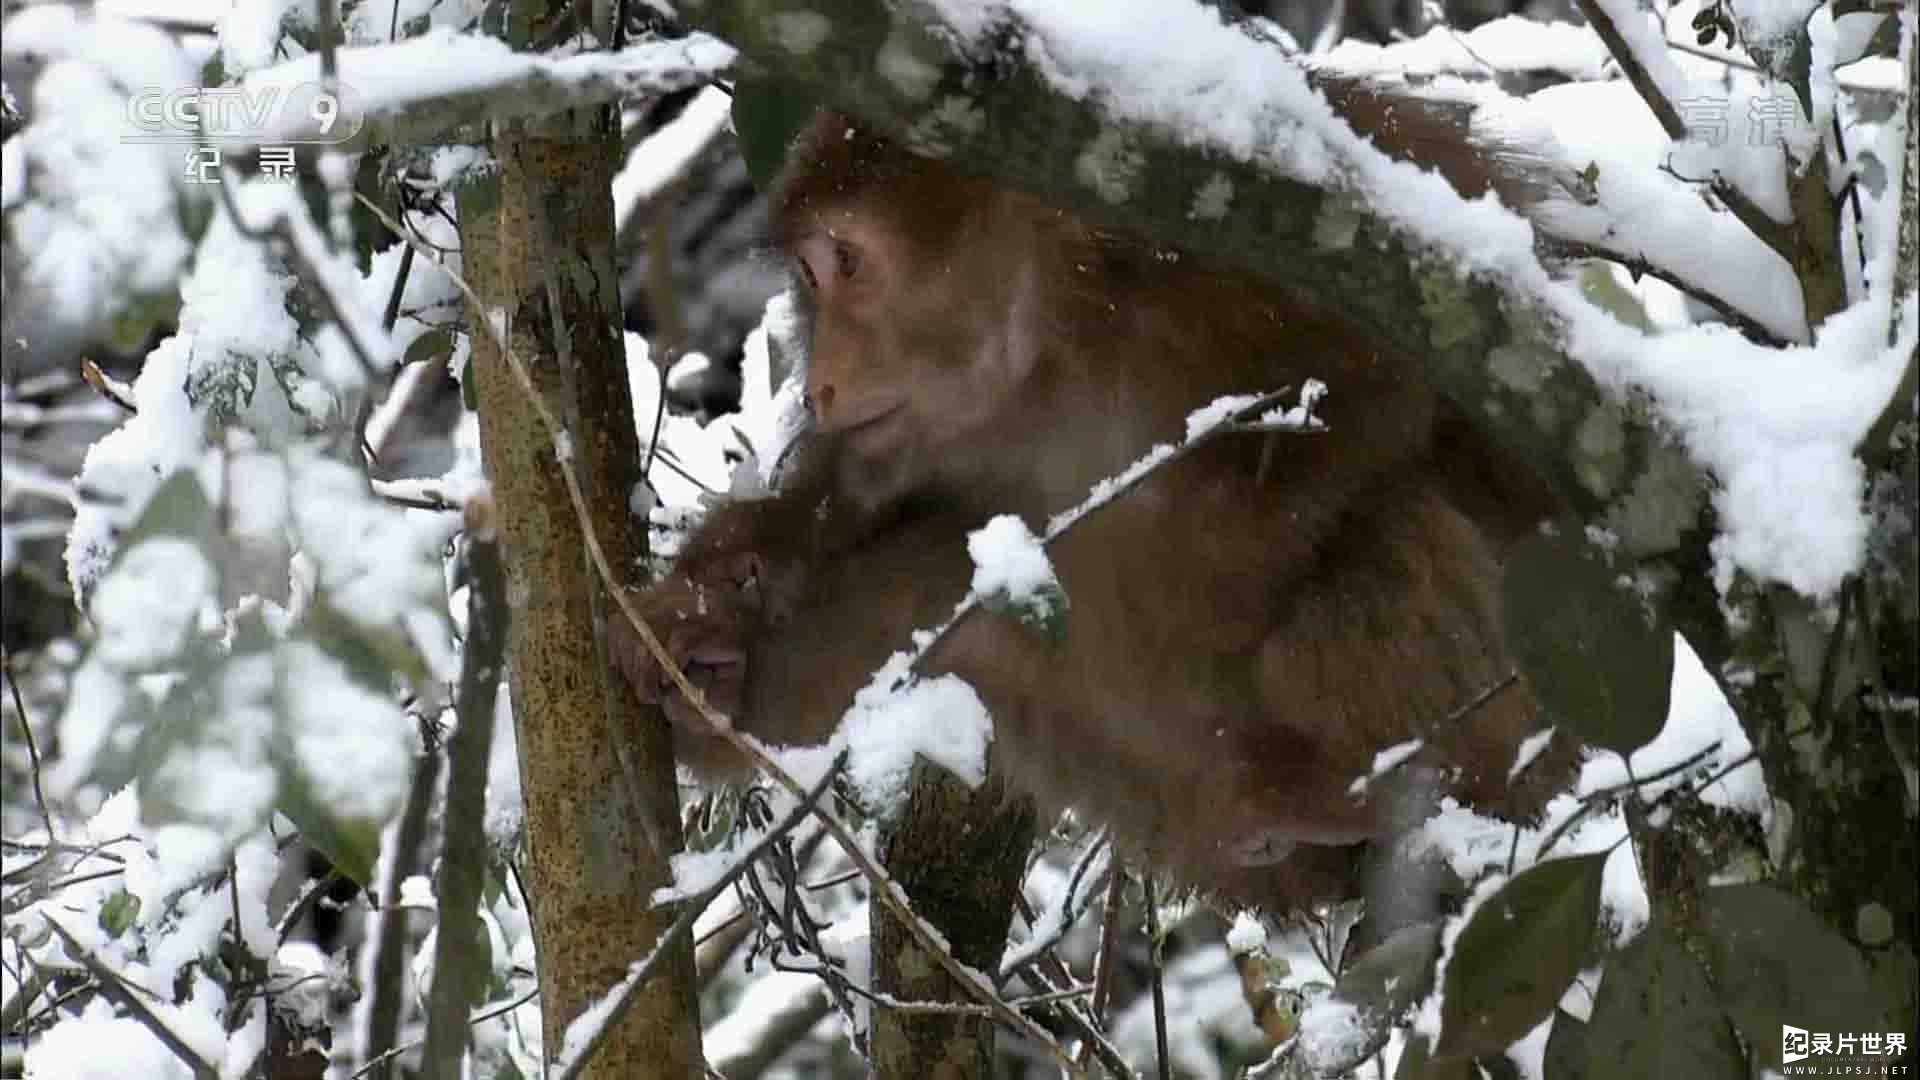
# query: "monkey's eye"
{"points": [[806, 275]]}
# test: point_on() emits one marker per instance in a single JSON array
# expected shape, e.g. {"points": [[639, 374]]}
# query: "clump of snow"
{"points": [[1332, 1033], [1212, 201], [1009, 561], [354, 745], [1384, 762], [940, 719], [1776, 426], [1247, 934], [103, 223], [145, 611], [97, 1045], [1530, 749], [664, 156]]}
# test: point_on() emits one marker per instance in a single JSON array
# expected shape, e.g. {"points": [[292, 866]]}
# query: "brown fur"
{"points": [[1246, 629]]}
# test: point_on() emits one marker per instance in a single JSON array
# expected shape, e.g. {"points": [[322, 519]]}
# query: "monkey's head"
{"points": [[920, 290]]}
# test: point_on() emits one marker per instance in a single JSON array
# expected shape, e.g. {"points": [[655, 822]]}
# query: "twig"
{"points": [[1041, 947], [1480, 699], [1103, 960], [1770, 232], [107, 386], [121, 994], [33, 750], [477, 1018], [1156, 966], [285, 228], [1247, 418], [389, 940], [458, 978]]}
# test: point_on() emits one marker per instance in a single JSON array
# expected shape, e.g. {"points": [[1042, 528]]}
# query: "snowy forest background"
{"points": [[253, 743]]}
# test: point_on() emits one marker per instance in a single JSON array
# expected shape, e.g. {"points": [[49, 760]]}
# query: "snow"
{"points": [[665, 156], [103, 224], [142, 626], [100, 1046], [355, 746], [1008, 560], [383, 79], [940, 719], [1509, 43], [1247, 934]]}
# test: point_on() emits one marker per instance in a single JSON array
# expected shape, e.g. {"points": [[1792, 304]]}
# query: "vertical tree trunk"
{"points": [[597, 770], [958, 854]]}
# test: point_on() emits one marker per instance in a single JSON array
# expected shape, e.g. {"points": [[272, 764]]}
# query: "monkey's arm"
{"points": [[780, 628]]}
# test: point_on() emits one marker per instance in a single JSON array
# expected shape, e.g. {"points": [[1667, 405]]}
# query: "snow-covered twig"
{"points": [[122, 994], [370, 345], [1240, 415], [1638, 69]]}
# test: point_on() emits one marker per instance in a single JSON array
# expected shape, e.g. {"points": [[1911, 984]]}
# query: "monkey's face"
{"points": [[917, 341]]}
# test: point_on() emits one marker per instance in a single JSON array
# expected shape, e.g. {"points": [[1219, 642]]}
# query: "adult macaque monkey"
{"points": [[1247, 629]]}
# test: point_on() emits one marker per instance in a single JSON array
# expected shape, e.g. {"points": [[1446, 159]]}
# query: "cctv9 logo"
{"points": [[305, 113]]}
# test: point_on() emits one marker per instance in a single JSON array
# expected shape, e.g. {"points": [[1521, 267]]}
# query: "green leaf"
{"points": [[1517, 954], [1592, 654], [1044, 608], [221, 381], [1605, 292], [767, 114], [1657, 1017], [215, 718], [1418, 1063], [1776, 962], [118, 912], [1566, 1056], [133, 326], [435, 345], [373, 655], [177, 508], [353, 847], [1394, 974]]}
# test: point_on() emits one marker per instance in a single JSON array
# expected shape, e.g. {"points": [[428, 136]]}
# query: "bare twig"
{"points": [[33, 750], [389, 939], [1156, 965], [1103, 960], [459, 980], [478, 1018]]}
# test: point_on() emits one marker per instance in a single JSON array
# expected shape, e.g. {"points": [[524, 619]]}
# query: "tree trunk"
{"points": [[959, 855], [537, 243]]}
